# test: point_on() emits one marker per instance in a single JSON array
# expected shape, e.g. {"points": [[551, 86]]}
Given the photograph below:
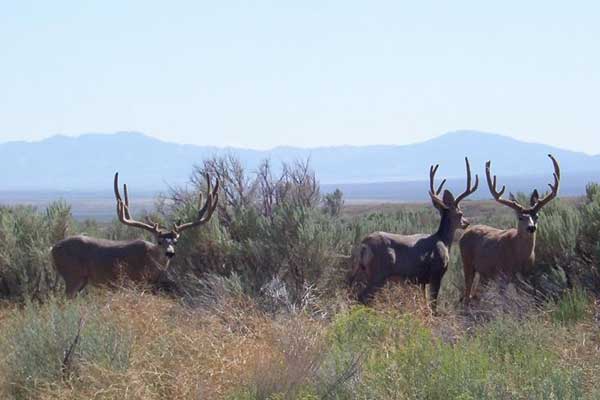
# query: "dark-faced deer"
{"points": [[81, 259], [421, 258], [496, 253]]}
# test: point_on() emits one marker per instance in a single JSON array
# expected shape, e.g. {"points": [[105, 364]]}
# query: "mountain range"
{"points": [[88, 162]]}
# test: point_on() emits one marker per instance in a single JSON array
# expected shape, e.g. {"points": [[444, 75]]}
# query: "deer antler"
{"points": [[123, 210], [553, 188], [514, 204], [498, 194], [204, 214], [470, 190], [433, 193]]}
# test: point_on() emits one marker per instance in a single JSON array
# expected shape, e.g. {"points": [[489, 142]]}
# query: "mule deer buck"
{"points": [[421, 258], [81, 259], [496, 253]]}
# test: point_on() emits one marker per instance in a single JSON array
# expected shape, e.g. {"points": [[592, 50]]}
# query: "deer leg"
{"points": [[469, 277], [367, 294], [424, 291], [71, 289], [434, 290], [480, 286], [83, 284], [74, 287]]}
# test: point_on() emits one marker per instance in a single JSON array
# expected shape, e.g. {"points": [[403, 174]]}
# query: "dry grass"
{"points": [[182, 353]]}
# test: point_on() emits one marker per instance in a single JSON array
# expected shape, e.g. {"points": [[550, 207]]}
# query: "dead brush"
{"points": [[178, 352], [222, 299], [403, 299], [292, 361], [499, 299]]}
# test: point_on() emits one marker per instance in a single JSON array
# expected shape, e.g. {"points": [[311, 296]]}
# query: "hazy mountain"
{"points": [[89, 161]]}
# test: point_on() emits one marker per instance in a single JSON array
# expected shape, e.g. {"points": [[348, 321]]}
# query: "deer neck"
{"points": [[446, 230], [526, 244], [158, 258]]}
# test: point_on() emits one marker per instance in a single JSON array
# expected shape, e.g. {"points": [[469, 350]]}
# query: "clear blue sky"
{"points": [[266, 73]]}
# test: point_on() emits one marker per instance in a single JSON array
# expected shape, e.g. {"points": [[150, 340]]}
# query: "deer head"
{"points": [[527, 216], [167, 238], [448, 205]]}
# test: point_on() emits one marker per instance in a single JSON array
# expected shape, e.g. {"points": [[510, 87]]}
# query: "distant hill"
{"points": [[88, 162]]}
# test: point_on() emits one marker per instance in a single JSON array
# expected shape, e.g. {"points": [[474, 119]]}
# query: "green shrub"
{"points": [[26, 237], [590, 214], [559, 228]]}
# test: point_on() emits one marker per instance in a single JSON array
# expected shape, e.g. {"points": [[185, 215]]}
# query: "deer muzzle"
{"points": [[170, 251]]}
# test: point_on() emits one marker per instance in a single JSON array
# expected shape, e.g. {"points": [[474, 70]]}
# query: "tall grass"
{"points": [[134, 345], [575, 305]]}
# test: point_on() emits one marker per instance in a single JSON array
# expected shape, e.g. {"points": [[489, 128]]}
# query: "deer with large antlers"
{"points": [[496, 253], [81, 259], [421, 258]]}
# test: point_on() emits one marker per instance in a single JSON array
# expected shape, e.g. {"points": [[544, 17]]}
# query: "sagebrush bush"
{"points": [[589, 239], [47, 344], [26, 237]]}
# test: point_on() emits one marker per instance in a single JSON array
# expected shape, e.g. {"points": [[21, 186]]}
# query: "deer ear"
{"points": [[535, 196], [448, 198]]}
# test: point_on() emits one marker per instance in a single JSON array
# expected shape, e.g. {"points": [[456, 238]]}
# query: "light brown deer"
{"points": [[421, 258], [496, 253], [81, 259]]}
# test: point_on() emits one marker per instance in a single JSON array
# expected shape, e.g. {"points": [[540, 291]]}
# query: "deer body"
{"points": [[496, 253], [421, 258], [493, 252], [81, 259]]}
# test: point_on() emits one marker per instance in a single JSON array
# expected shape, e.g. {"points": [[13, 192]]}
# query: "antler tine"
{"points": [[432, 172], [498, 195], [123, 209], [501, 192], [439, 189], [433, 193], [126, 208], [553, 188], [470, 190], [120, 205], [204, 214], [116, 187]]}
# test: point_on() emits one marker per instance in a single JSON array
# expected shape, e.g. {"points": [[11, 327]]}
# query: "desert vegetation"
{"points": [[256, 306]]}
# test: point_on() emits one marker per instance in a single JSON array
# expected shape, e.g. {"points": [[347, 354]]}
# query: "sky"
{"points": [[312, 73]]}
